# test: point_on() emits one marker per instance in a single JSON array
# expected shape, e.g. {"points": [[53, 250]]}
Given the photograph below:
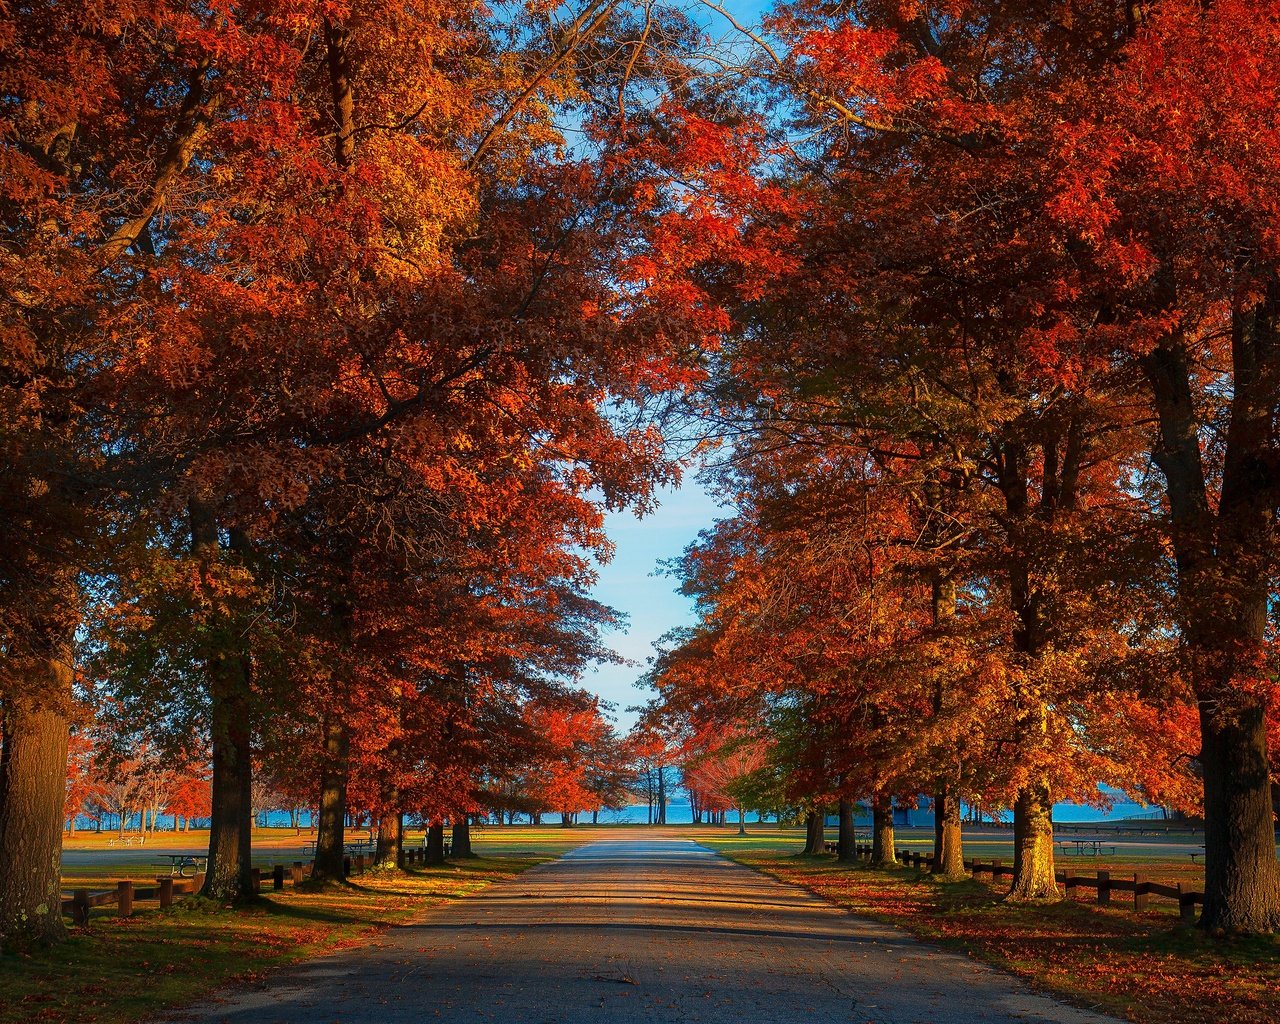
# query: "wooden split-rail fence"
{"points": [[1142, 888], [167, 890]]}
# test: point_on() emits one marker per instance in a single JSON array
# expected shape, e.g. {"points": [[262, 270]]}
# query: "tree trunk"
{"points": [[566, 819], [230, 834], [1033, 866], [1225, 559], [435, 843], [948, 841], [815, 833], [33, 771], [462, 838], [882, 840], [742, 822], [662, 795], [1242, 876], [389, 853], [227, 673], [848, 835], [331, 834]]}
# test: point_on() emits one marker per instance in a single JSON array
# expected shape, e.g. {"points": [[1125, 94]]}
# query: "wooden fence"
{"points": [[1142, 888], [167, 889]]}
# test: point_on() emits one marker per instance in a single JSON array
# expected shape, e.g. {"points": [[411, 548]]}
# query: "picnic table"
{"points": [[1091, 845], [186, 865], [366, 846], [127, 841]]}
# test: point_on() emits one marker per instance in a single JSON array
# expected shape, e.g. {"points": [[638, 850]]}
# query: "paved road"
{"points": [[624, 932]]}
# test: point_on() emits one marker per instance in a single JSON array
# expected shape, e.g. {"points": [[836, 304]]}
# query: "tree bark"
{"points": [[1242, 877], [815, 833], [435, 843], [331, 834], [1033, 867], [948, 840], [462, 838], [34, 734], [389, 853], [1225, 558], [227, 673], [882, 841], [848, 834]]}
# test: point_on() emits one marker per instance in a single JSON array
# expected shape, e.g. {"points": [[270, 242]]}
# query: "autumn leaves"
{"points": [[314, 334], [1004, 423], [330, 332]]}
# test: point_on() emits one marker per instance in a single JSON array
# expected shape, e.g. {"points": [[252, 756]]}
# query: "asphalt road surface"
{"points": [[623, 932]]}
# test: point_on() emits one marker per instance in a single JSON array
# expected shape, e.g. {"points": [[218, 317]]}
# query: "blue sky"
{"points": [[628, 584]]}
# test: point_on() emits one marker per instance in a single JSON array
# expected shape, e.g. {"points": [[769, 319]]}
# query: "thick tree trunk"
{"points": [[815, 835], [566, 819], [33, 772], [1225, 558], [882, 840], [435, 843], [948, 842], [389, 853], [848, 834], [1033, 867], [227, 673], [230, 833], [462, 838], [331, 835], [1242, 876]]}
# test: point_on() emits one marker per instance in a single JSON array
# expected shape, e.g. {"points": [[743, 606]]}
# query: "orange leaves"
{"points": [[873, 68]]}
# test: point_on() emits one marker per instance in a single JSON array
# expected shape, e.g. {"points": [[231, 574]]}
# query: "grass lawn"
{"points": [[1145, 967], [124, 970]]}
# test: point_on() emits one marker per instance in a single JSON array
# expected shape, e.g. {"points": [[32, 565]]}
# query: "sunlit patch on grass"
{"points": [[1146, 967], [123, 970]]}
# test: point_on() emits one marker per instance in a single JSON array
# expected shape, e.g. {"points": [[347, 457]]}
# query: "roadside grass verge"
{"points": [[123, 970], [1145, 967]]}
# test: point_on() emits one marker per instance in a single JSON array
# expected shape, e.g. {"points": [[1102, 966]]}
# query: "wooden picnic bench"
{"points": [[126, 841], [186, 865], [1091, 845]]}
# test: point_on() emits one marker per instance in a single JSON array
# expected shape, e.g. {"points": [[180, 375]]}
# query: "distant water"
{"points": [[679, 812]]}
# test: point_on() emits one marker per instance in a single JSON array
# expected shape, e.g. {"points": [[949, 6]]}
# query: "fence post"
{"points": [[1140, 895], [277, 877], [1070, 882], [255, 880], [295, 873], [1186, 903], [197, 882], [124, 891], [80, 907], [346, 867], [1104, 886], [995, 870], [166, 893], [359, 863]]}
